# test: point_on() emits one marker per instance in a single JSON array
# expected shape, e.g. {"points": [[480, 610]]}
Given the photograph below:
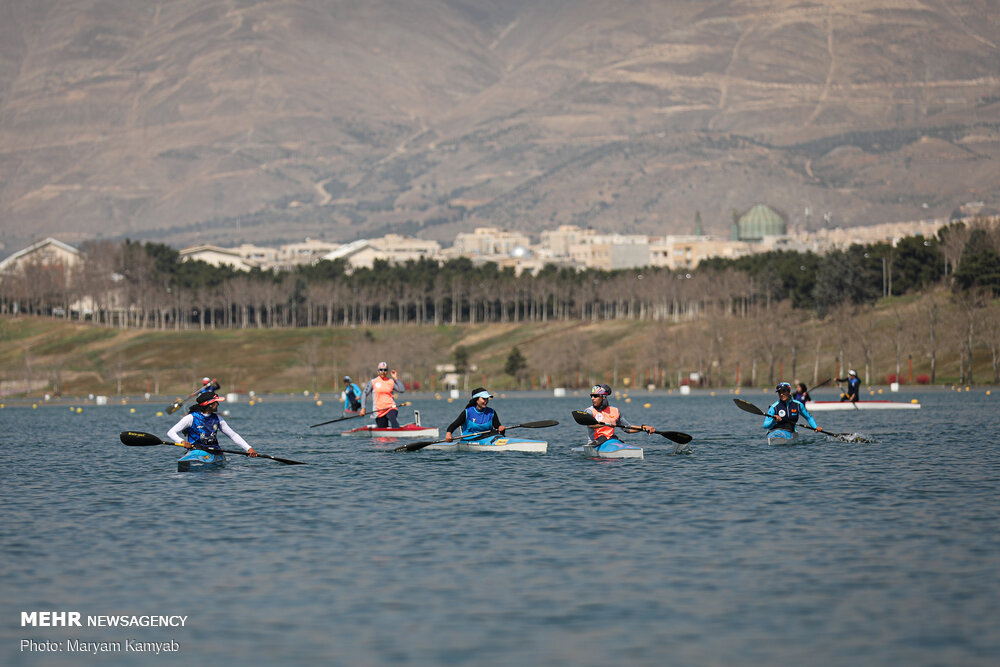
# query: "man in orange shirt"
{"points": [[381, 389]]}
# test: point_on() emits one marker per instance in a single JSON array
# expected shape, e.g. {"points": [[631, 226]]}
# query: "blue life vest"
{"points": [[204, 429], [352, 397], [476, 421], [787, 412]]}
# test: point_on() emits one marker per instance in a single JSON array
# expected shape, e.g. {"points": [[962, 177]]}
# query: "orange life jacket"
{"points": [[382, 399], [607, 416]]}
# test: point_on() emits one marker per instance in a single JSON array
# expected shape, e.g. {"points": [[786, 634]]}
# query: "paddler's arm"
{"points": [[397, 386], [176, 432], [770, 419], [455, 425], [236, 437], [366, 392], [809, 418], [497, 426]]}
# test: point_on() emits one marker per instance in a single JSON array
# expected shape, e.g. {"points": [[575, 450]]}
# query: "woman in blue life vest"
{"points": [[199, 428], [352, 396], [786, 411], [853, 387], [607, 417], [801, 393], [477, 417]]}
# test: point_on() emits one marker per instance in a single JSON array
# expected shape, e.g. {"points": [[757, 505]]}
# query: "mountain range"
{"points": [[229, 121]]}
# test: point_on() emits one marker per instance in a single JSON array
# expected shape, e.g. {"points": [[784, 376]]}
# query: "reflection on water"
{"points": [[821, 552]]}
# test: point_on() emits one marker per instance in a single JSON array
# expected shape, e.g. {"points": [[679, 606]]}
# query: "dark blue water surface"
{"points": [[821, 552]]}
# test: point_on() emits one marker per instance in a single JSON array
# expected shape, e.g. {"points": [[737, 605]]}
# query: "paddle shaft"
{"points": [[747, 406], [584, 419], [334, 421], [176, 405], [136, 439]]}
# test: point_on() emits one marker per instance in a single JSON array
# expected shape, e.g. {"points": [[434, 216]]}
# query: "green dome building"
{"points": [[758, 222]]}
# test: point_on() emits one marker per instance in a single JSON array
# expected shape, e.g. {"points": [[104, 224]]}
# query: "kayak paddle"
{"points": [[747, 406], [138, 439], [176, 405], [415, 446], [584, 419], [333, 421]]}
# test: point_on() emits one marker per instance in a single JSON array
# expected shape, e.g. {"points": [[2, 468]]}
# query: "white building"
{"points": [[215, 256], [488, 241]]}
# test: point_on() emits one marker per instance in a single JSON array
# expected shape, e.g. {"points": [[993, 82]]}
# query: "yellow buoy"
{"points": [[628, 400], [158, 414], [913, 400], [711, 393], [131, 409], [34, 406], [79, 410], [645, 405]]}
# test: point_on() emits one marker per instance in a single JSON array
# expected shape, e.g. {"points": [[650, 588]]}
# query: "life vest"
{"points": [[352, 397], [476, 421], [608, 416], [382, 396], [204, 430], [788, 412]]}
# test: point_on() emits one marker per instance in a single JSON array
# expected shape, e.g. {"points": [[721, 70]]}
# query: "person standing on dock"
{"points": [[853, 387], [199, 427], [352, 396], [477, 417], [381, 389], [607, 417]]}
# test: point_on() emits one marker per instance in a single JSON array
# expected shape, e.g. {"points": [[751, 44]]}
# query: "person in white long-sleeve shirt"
{"points": [[199, 428]]}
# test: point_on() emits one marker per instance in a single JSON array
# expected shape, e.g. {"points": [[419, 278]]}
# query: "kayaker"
{"points": [[477, 417], [801, 393], [786, 411], [381, 389], [607, 416], [853, 387], [199, 427], [209, 386], [352, 395]]}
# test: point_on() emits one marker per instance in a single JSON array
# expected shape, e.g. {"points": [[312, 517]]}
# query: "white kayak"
{"points": [[827, 406], [407, 431], [494, 443], [610, 449], [499, 443], [779, 437]]}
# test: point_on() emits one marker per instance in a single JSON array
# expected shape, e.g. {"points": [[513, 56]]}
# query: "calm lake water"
{"points": [[822, 552]]}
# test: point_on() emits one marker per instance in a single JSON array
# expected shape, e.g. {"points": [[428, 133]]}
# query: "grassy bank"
{"points": [[42, 355]]}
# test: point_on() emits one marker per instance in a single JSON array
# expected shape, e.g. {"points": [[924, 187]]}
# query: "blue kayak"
{"points": [[199, 459], [613, 448]]}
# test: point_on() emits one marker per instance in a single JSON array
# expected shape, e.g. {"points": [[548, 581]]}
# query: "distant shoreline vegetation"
{"points": [[733, 322], [144, 286]]}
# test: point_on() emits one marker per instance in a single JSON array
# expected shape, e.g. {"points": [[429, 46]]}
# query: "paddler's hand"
{"points": [[819, 429], [647, 429], [252, 453], [186, 445], [394, 374], [361, 412], [447, 437], [501, 430]]}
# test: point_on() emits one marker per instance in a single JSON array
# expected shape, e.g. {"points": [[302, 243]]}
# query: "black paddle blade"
{"points": [[676, 436], [583, 419], [287, 462], [175, 406], [414, 446], [138, 439], [747, 406], [545, 423]]}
